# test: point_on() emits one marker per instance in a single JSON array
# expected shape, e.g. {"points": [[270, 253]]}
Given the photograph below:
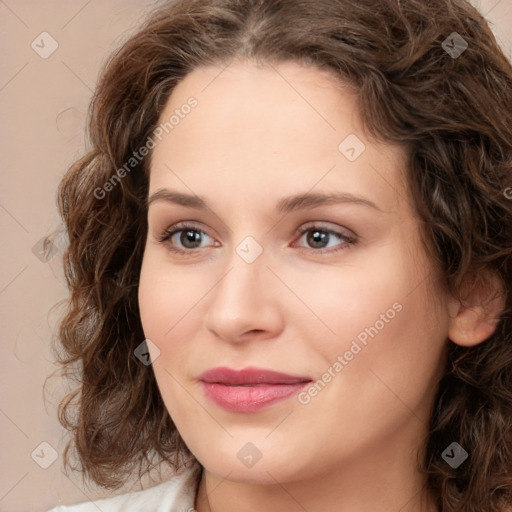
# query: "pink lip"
{"points": [[250, 389]]}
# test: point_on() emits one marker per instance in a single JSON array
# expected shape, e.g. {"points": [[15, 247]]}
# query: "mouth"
{"points": [[250, 389]]}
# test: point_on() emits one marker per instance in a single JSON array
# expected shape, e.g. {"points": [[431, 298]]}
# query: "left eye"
{"points": [[190, 235], [318, 236]]}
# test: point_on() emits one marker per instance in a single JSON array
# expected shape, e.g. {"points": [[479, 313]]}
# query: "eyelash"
{"points": [[184, 226]]}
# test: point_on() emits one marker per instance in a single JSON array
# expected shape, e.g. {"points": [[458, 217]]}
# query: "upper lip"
{"points": [[225, 375]]}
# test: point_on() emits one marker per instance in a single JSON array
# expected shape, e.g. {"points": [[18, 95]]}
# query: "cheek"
{"points": [[166, 310], [164, 296], [382, 318], [348, 303], [172, 306], [395, 358]]}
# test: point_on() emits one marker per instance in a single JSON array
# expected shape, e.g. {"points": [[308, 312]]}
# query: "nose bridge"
{"points": [[242, 300], [246, 269]]}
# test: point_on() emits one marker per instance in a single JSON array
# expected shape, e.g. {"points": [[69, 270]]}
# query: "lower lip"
{"points": [[249, 398]]}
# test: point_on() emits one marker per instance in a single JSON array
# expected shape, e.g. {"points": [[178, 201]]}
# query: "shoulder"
{"points": [[176, 494]]}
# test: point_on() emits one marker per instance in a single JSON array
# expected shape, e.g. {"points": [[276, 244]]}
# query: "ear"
{"points": [[474, 319]]}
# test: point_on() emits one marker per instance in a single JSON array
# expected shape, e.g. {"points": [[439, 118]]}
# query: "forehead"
{"points": [[262, 97], [281, 128]]}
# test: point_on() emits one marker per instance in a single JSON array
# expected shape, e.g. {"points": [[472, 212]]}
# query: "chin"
{"points": [[260, 474], [244, 464]]}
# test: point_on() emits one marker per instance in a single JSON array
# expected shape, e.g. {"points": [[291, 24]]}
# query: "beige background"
{"points": [[43, 104]]}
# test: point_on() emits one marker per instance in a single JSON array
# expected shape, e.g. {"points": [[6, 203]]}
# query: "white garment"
{"points": [[178, 494]]}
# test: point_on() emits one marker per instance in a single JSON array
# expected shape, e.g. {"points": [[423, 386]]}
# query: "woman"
{"points": [[290, 260]]}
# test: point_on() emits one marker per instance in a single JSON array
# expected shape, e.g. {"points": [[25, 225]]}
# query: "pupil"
{"points": [[317, 237], [191, 237]]}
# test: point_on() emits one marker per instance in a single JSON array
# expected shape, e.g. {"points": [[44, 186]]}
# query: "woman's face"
{"points": [[298, 253]]}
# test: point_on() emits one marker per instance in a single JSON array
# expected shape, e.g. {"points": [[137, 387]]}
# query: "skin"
{"points": [[258, 134]]}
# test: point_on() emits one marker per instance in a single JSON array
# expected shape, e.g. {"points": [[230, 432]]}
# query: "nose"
{"points": [[245, 303]]}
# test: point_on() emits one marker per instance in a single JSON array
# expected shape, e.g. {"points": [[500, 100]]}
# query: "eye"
{"points": [[189, 237], [183, 238], [318, 237]]}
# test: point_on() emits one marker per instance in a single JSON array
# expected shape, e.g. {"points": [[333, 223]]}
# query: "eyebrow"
{"points": [[285, 205]]}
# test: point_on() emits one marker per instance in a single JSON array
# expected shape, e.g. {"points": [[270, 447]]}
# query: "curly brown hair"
{"points": [[451, 111]]}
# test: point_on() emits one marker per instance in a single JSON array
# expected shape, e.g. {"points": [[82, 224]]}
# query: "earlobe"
{"points": [[474, 320]]}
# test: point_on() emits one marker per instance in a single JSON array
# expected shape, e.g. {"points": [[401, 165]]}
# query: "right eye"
{"points": [[185, 234]]}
